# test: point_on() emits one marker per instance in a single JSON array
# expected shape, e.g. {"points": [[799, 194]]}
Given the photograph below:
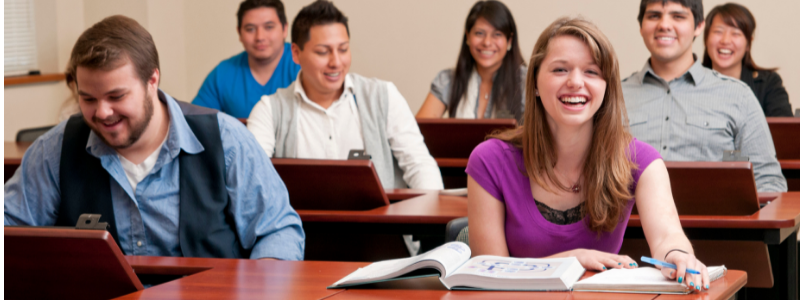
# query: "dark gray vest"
{"points": [[205, 227]]}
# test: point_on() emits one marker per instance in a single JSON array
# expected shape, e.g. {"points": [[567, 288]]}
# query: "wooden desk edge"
{"points": [[451, 162], [738, 282], [13, 161], [790, 164]]}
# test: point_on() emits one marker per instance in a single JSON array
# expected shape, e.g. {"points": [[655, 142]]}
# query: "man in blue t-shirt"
{"points": [[238, 83]]}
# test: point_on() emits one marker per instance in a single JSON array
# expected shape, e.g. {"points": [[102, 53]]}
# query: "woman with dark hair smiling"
{"points": [[564, 183], [489, 54], [728, 40]]}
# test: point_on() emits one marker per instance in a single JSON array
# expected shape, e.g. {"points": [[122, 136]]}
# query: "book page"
{"points": [[640, 276], [444, 258], [509, 267], [644, 279], [452, 255]]}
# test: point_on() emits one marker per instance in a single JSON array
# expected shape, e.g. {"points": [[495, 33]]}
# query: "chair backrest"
{"points": [[453, 228], [30, 134]]}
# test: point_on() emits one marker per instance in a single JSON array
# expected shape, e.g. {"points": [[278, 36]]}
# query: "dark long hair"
{"points": [[738, 16], [506, 90]]}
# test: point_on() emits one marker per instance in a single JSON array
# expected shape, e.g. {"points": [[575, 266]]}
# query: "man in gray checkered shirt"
{"points": [[688, 112]]}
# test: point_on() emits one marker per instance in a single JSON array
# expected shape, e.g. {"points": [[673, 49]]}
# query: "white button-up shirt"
{"points": [[331, 133]]}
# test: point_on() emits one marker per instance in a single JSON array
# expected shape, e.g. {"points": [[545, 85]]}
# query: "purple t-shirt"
{"points": [[497, 166]]}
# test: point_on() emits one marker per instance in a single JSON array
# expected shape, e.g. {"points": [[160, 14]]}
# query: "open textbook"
{"points": [[456, 270], [639, 280]]}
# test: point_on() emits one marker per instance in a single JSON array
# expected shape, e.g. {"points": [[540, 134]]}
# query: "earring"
{"points": [[537, 93], [508, 48]]}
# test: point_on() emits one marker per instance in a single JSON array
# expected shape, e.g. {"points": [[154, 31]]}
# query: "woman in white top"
{"points": [[489, 54]]}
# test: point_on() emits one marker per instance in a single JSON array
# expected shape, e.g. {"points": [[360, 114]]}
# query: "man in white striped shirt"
{"points": [[688, 112], [329, 111]]}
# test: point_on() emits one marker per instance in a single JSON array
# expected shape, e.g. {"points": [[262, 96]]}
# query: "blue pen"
{"points": [[656, 262]]}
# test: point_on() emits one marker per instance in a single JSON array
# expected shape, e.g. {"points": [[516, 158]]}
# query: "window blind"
{"points": [[20, 37]]}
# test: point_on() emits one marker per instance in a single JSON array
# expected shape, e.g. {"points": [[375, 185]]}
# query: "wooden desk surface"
{"points": [[210, 278], [790, 164], [452, 162], [239, 278], [430, 208], [781, 212], [427, 208]]}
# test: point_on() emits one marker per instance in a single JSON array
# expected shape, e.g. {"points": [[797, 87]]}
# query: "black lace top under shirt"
{"points": [[560, 217]]}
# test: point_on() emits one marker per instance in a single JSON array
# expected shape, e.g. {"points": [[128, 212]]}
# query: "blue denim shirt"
{"points": [[147, 218]]}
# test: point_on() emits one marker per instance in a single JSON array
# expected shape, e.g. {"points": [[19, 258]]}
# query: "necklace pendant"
{"points": [[576, 188]]}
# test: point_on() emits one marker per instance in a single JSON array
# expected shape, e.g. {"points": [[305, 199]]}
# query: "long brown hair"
{"points": [[607, 169], [506, 90], [737, 16]]}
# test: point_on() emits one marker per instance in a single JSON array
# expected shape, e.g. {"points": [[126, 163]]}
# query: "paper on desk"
{"points": [[454, 192]]}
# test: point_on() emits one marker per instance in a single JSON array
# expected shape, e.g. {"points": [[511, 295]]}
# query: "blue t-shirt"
{"points": [[232, 89]]}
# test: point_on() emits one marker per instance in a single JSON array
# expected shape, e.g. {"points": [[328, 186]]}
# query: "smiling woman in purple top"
{"points": [[565, 182]]}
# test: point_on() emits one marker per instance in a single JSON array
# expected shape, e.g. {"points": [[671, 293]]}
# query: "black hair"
{"points": [[253, 4], [320, 12], [507, 87], [737, 16], [695, 6]]}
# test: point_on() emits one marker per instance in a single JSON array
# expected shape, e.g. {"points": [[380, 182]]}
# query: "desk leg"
{"points": [[783, 258], [791, 259], [787, 250]]}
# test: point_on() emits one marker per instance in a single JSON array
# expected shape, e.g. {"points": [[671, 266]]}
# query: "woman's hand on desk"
{"points": [[600, 261], [684, 261]]}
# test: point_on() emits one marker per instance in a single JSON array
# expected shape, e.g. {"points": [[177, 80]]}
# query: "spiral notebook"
{"points": [[640, 280]]}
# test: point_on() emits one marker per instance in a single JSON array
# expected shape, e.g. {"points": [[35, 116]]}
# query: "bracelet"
{"points": [[670, 251]]}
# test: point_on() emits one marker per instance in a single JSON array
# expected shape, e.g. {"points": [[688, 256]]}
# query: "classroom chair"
{"points": [[457, 230], [30, 134]]}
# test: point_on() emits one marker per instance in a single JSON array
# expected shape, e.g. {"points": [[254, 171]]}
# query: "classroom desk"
{"points": [[775, 226], [210, 278], [425, 215], [453, 169], [786, 138], [791, 170], [374, 234], [790, 164]]}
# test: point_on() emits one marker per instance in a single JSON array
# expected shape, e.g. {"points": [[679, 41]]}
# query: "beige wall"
{"points": [[404, 41]]}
